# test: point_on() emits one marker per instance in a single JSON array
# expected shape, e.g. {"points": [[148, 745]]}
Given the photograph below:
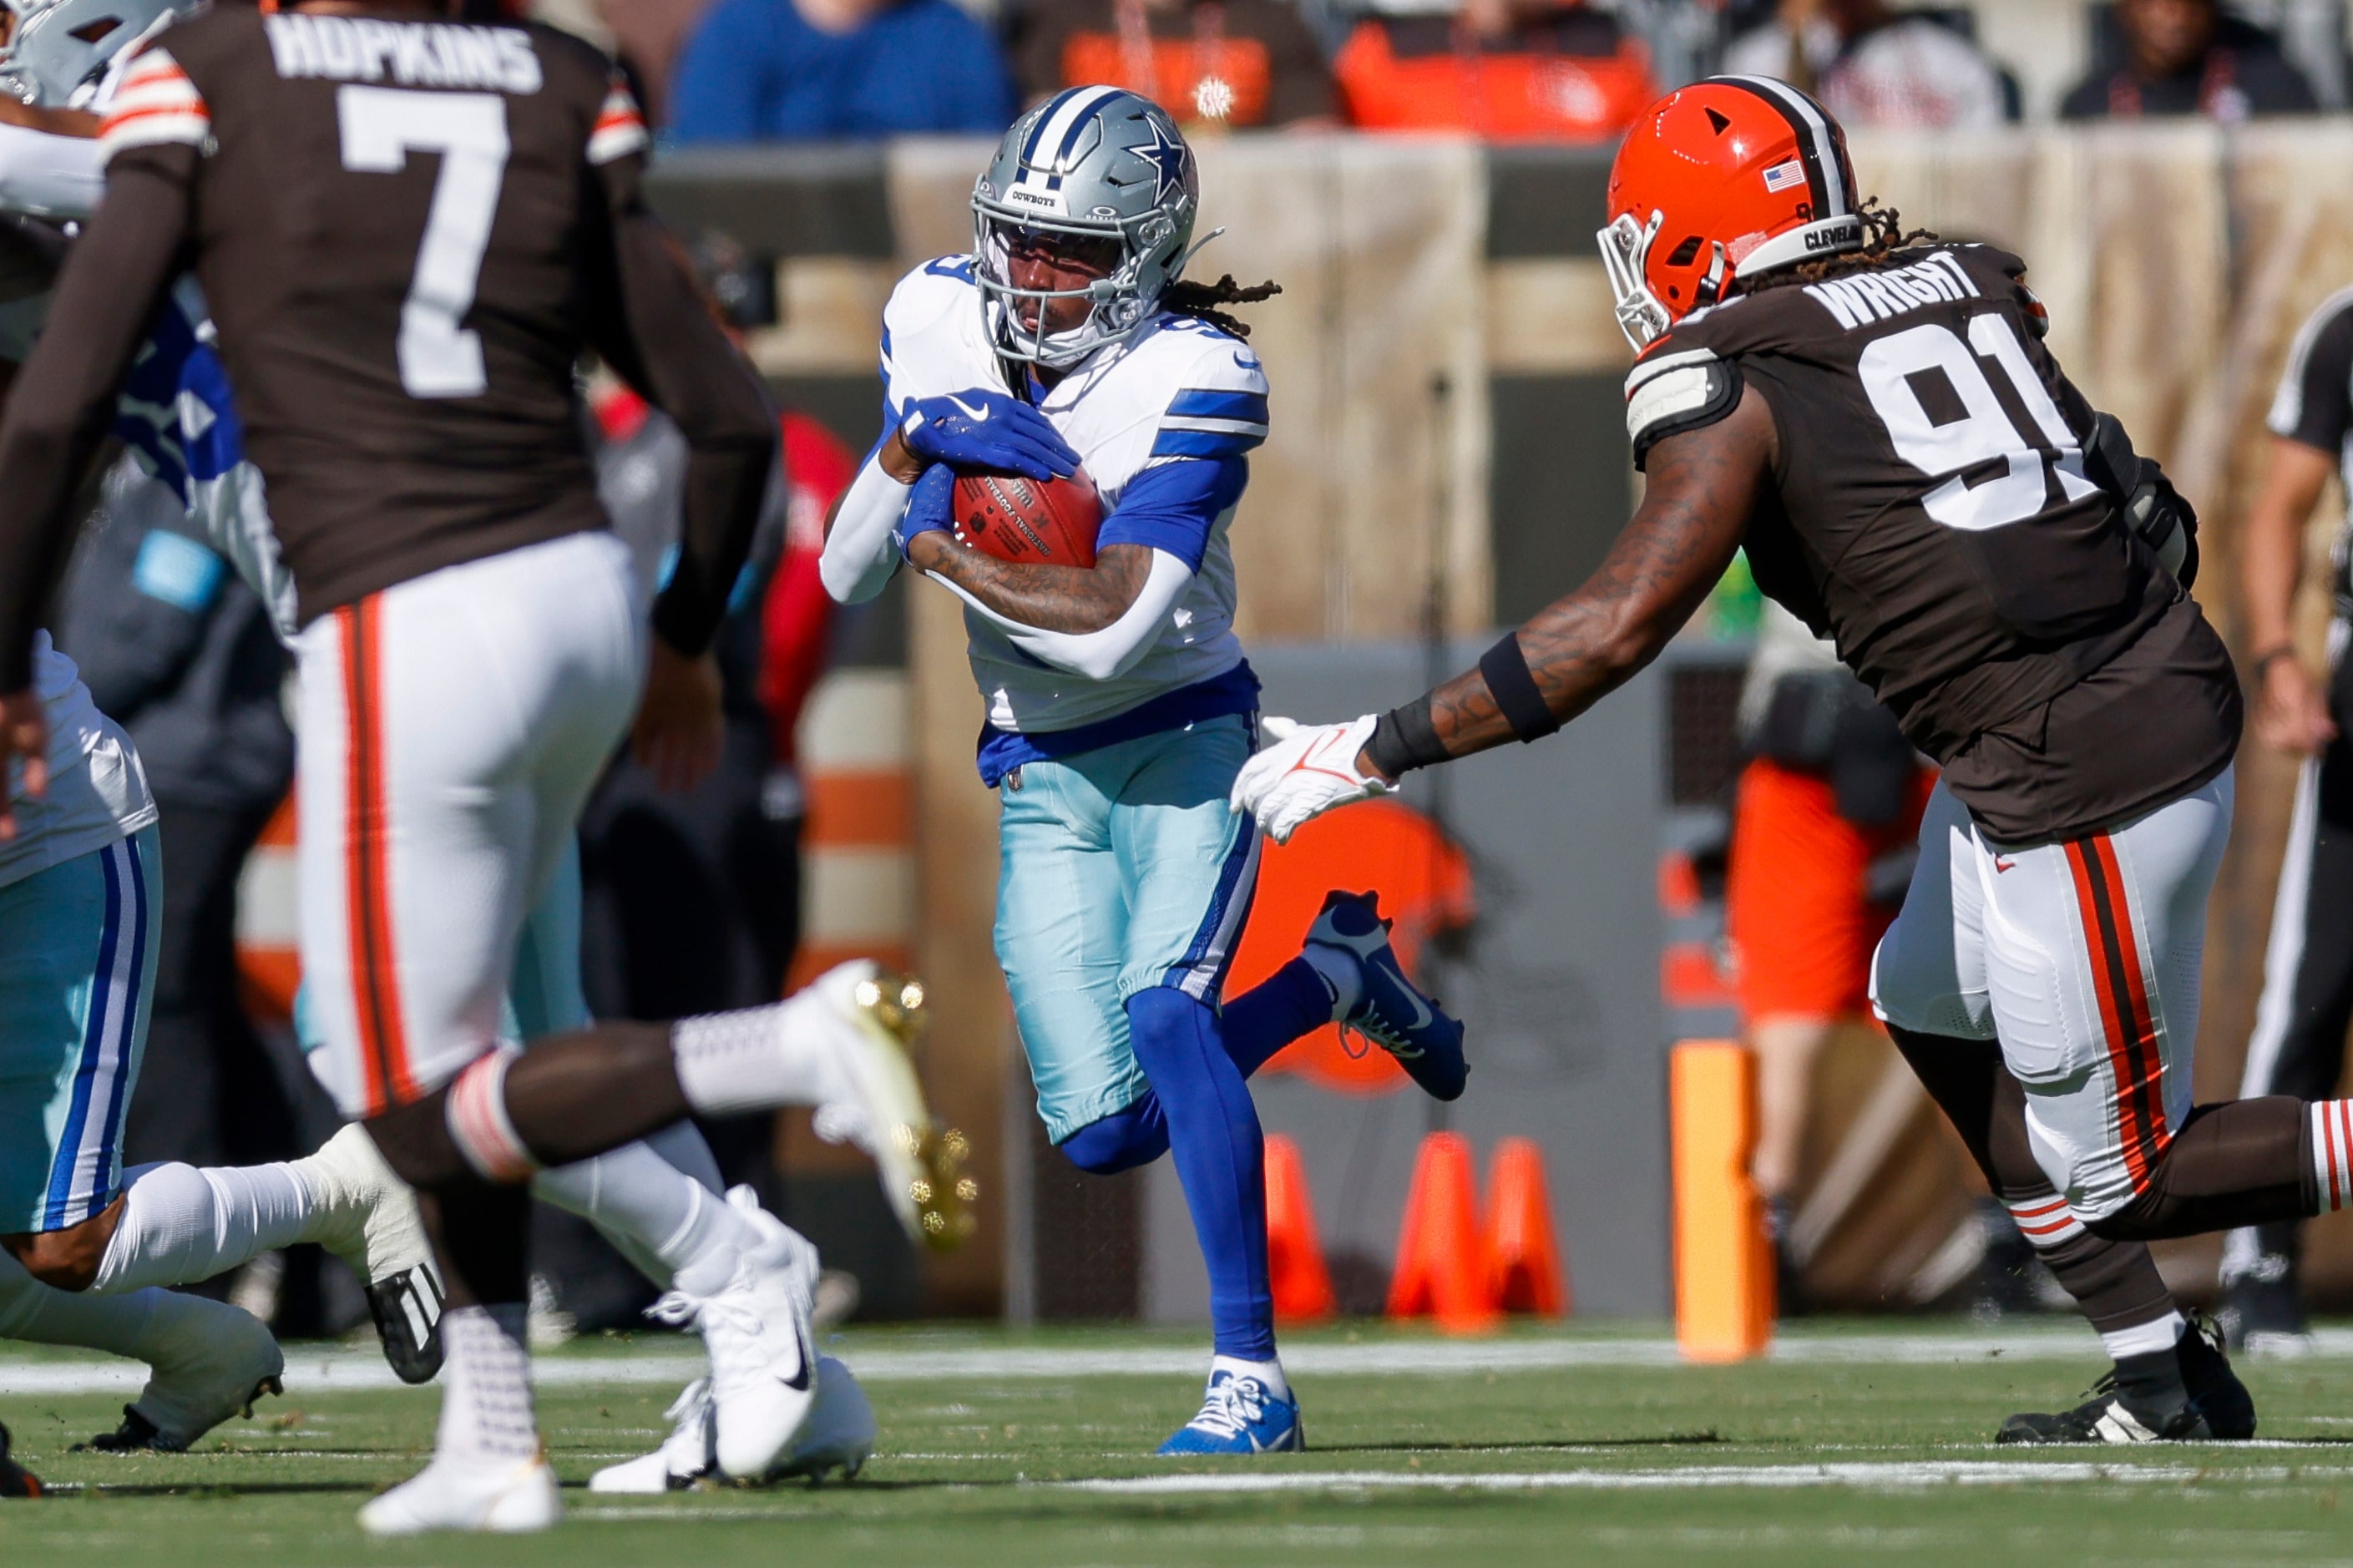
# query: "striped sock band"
{"points": [[2332, 1151], [2045, 1220], [478, 1124]]}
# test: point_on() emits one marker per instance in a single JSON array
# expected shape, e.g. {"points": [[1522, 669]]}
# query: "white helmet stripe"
{"points": [[1813, 139], [1051, 143]]}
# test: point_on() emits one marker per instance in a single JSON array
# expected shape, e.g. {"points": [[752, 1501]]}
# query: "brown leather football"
{"points": [[1022, 521]]}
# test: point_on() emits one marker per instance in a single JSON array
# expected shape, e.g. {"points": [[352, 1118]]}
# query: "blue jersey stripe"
{"points": [[1201, 402], [1203, 444]]}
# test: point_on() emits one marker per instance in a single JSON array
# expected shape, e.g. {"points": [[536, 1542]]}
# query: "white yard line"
{"points": [[329, 1371], [1905, 1475]]}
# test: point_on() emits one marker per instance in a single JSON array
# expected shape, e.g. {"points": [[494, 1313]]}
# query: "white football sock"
{"points": [[2143, 1339], [486, 1410], [1269, 1372], [676, 1231], [1342, 976], [181, 1226], [758, 1058]]}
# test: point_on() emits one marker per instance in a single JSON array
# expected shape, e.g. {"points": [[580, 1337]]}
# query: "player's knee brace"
{"points": [[1120, 1141], [458, 1136]]}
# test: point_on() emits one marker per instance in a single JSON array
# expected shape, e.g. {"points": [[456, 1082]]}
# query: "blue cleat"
{"points": [[1390, 1011], [1240, 1416]]}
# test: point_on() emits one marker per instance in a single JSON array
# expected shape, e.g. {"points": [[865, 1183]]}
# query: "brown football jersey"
{"points": [[390, 223], [410, 232], [1931, 513]]}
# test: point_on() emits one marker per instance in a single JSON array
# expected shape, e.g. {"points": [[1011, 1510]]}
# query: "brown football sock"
{"points": [[2115, 1283]]}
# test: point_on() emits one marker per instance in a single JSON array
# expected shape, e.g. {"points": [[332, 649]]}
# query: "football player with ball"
{"points": [[1068, 351]]}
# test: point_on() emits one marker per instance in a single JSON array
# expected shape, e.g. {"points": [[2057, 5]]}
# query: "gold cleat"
{"points": [[920, 1162], [942, 1197]]}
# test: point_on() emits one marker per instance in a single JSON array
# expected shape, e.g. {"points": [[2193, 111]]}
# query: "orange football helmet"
{"points": [[1725, 178]]}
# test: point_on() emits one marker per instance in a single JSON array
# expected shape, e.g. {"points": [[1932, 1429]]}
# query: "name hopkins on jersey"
{"points": [[1863, 298], [414, 54]]}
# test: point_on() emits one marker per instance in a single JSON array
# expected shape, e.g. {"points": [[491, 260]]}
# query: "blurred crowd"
{"points": [[762, 71]]}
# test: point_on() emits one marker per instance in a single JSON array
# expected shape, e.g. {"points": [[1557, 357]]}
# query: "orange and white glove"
{"points": [[1307, 771]]}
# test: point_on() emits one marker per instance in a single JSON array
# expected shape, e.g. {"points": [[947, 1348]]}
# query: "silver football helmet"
{"points": [[1091, 167], [58, 47]]}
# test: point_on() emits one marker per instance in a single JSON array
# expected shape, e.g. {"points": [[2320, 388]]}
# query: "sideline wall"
{"points": [[2176, 262]]}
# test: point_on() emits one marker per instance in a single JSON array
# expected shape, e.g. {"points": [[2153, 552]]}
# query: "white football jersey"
{"points": [[98, 793], [1178, 389]]}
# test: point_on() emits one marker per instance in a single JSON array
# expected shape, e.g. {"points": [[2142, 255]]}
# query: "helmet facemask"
{"points": [[1626, 257], [1120, 300]]}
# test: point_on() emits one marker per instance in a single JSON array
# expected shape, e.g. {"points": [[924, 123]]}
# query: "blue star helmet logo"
{"points": [[1168, 159]]}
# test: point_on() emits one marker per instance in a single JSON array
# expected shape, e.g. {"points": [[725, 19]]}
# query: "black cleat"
{"points": [[2215, 1388], [16, 1480], [2106, 1417], [138, 1434], [2219, 1408], [407, 1307]]}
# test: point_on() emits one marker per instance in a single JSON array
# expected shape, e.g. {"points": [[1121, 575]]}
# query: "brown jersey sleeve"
{"points": [[63, 402], [651, 325]]}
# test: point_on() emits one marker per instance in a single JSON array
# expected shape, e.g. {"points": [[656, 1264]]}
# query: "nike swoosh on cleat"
{"points": [[799, 1382]]}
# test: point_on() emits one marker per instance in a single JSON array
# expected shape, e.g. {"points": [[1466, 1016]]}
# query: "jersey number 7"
{"points": [[1892, 369], [380, 127]]}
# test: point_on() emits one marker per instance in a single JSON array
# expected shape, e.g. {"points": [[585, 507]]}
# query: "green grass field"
{"points": [[1856, 1442]]}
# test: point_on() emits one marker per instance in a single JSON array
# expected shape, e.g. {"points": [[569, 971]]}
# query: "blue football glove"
{"points": [[930, 505], [980, 429]]}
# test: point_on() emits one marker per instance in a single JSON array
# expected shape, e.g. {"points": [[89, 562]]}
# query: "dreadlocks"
{"points": [[1201, 300], [1883, 238]]}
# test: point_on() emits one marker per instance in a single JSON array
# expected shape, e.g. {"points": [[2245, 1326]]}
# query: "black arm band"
{"points": [[1405, 739], [1506, 670]]}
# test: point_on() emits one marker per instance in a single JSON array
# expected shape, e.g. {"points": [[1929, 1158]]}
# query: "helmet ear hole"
{"points": [[1686, 253]]}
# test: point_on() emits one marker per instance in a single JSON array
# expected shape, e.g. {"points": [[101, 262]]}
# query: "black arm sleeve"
{"points": [[653, 328], [63, 401]]}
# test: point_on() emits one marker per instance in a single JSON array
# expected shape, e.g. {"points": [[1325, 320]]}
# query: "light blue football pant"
{"points": [[1119, 869], [77, 965]]}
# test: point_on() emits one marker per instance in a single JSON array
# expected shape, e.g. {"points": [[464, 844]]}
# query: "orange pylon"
{"points": [[1523, 1260], [1442, 1266], [1723, 1262], [1295, 1259]]}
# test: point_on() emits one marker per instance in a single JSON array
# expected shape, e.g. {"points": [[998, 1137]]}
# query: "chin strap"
{"points": [[1711, 287]]}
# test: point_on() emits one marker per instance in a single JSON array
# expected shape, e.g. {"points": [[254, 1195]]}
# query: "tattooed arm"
{"points": [[1694, 511], [1703, 485], [1047, 598], [1092, 623]]}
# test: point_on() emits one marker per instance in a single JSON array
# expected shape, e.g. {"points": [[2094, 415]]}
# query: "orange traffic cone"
{"points": [[1523, 1261], [1295, 1259], [1442, 1266]]}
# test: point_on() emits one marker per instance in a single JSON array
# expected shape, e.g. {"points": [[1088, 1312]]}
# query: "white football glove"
{"points": [[1308, 770]]}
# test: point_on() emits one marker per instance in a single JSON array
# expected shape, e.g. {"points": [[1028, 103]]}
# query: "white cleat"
{"points": [[762, 1356], [690, 1454], [366, 1215], [838, 1435], [448, 1494], [214, 1360], [867, 1018]]}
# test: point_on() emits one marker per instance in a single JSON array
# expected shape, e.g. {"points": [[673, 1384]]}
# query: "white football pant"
{"points": [[452, 727], [2082, 959]]}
